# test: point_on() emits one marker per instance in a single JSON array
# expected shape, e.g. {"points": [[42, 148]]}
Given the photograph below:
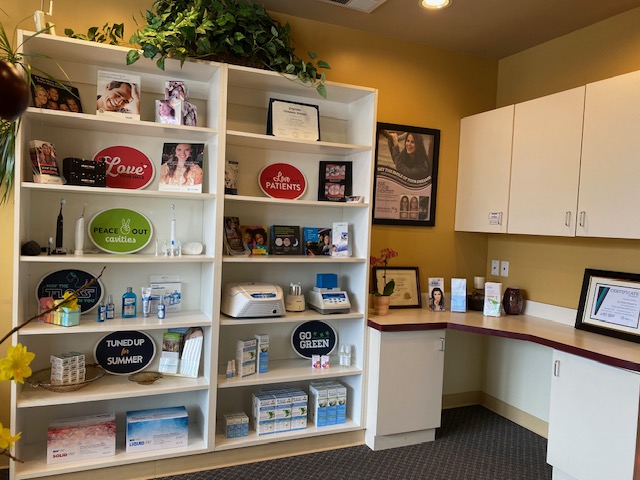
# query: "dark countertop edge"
{"points": [[581, 352]]}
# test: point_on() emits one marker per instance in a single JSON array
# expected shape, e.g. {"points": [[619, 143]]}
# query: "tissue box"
{"points": [[81, 438], [157, 429]]}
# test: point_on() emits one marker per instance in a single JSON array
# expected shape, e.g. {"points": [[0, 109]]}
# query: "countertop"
{"points": [[608, 350]]}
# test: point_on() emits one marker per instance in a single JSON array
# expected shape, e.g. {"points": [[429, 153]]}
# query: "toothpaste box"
{"points": [[283, 412], [263, 353], [229, 425], [332, 403], [157, 429], [246, 351], [264, 413], [81, 438], [242, 424], [299, 409]]}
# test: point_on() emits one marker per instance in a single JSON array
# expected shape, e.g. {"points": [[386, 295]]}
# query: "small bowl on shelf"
{"points": [[42, 378], [145, 378]]}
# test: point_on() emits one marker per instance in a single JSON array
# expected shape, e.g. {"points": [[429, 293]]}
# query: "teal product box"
{"points": [[229, 425], [332, 403], [341, 410], [157, 429], [318, 405], [262, 364], [242, 425], [458, 294]]}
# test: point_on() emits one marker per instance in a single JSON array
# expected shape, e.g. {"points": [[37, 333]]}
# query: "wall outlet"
{"points": [[504, 268], [495, 267]]}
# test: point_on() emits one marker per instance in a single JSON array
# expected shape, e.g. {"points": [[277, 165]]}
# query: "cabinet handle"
{"points": [[581, 220], [567, 219], [556, 368], [441, 347]]}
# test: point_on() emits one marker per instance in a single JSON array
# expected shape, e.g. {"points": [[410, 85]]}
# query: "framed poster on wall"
{"points": [[406, 174]]}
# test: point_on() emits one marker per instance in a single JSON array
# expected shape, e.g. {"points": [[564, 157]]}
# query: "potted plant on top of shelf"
{"points": [[232, 31], [381, 299]]}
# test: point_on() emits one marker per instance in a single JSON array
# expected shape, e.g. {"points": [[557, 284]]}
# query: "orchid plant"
{"points": [[16, 365], [386, 254]]}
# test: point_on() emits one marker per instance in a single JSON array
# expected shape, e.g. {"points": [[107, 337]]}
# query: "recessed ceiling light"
{"points": [[435, 4]]}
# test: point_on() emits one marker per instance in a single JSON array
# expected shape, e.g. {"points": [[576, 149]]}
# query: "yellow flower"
{"points": [[68, 300], [16, 364], [6, 439]]}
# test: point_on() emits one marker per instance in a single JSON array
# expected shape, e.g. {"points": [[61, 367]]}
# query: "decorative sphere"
{"points": [[15, 92]]}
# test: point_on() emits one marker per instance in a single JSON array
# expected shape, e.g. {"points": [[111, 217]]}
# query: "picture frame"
{"points": [[406, 293], [610, 304], [294, 120], [335, 181], [406, 175], [53, 95]]}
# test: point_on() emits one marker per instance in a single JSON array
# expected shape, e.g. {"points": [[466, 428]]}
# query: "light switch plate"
{"points": [[504, 268], [495, 267]]}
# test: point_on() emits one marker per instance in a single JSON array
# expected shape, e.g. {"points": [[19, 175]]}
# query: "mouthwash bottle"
{"points": [[129, 304]]}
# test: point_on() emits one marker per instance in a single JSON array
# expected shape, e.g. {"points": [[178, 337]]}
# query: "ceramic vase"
{"points": [[512, 301], [381, 304]]}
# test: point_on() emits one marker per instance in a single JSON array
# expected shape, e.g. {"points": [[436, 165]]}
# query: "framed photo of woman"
{"points": [[406, 175], [182, 168]]}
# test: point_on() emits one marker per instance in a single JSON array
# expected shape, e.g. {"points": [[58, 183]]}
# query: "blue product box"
{"points": [[157, 429]]}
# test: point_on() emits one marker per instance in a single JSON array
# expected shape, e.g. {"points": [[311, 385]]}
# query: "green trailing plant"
{"points": [[111, 34], [233, 31]]}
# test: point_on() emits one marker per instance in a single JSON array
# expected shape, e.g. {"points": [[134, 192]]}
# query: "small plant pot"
{"points": [[381, 304]]}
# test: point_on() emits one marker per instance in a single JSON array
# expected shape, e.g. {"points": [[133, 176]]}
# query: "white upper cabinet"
{"points": [[482, 203], [545, 165], [610, 172]]}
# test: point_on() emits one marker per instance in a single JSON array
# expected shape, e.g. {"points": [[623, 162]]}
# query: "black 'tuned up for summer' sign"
{"points": [[123, 353]]}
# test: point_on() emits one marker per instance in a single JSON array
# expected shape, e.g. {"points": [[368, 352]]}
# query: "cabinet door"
{"points": [[483, 171], [610, 169], [593, 419], [547, 136], [406, 371]]}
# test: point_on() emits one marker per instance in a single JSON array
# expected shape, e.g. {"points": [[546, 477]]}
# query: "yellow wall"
{"points": [[417, 85], [550, 269]]}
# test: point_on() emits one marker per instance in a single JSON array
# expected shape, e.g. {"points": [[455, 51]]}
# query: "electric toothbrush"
{"points": [[80, 233], [173, 229], [59, 231]]}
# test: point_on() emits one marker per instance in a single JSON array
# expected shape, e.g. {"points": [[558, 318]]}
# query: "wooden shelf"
{"points": [[254, 140], [291, 317], [118, 192]]}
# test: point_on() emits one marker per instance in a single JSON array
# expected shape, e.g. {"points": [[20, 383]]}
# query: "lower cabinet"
{"points": [[404, 400], [593, 420]]}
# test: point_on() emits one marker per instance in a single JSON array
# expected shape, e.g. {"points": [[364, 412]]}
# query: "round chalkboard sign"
{"points": [[122, 353], [55, 284], [314, 338], [120, 230]]}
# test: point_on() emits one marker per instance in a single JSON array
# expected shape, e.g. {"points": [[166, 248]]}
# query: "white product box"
{"points": [[242, 424], [458, 294], [318, 405], [340, 240], [81, 438], [246, 351], [299, 409], [332, 404], [157, 429], [341, 410], [172, 292], [492, 299], [230, 425], [262, 364]]}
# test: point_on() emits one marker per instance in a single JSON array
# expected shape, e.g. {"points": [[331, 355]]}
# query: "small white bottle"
{"points": [[345, 355], [111, 308]]}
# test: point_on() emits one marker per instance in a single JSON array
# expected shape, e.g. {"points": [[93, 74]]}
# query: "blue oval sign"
{"points": [[55, 285], [314, 338], [122, 353]]}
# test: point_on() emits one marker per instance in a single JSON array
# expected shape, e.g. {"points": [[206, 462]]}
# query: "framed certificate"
{"points": [[406, 293], [610, 304], [299, 121]]}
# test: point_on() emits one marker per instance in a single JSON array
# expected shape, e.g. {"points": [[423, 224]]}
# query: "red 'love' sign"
{"points": [[126, 167], [281, 180]]}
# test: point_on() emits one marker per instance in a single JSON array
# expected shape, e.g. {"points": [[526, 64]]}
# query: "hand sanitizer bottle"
{"points": [[111, 308], [129, 304], [101, 312], [161, 308]]}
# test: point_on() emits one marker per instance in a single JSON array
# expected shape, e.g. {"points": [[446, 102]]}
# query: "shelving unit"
{"points": [[232, 111]]}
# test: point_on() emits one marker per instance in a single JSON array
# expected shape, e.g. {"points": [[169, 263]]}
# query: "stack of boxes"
{"points": [[81, 438], [279, 409], [328, 402], [67, 368], [236, 425], [246, 351]]}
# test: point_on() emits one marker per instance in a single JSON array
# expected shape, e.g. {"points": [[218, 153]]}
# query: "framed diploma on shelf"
{"points": [[298, 121], [610, 304], [335, 181]]}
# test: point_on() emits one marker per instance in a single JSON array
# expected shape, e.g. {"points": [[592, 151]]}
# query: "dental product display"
{"points": [[78, 250], [59, 250], [326, 297]]}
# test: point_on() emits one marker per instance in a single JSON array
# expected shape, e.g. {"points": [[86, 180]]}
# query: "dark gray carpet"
{"points": [[472, 444]]}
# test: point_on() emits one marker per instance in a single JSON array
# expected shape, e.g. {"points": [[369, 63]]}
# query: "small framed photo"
{"points": [[169, 111], [118, 95], [182, 167], [406, 293], [298, 121], [437, 301], [335, 181], [610, 304], [53, 95]]}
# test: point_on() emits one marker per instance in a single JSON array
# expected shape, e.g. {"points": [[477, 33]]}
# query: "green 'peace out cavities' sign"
{"points": [[120, 230]]}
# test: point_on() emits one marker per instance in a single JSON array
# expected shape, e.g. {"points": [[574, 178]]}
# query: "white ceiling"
{"points": [[486, 28]]}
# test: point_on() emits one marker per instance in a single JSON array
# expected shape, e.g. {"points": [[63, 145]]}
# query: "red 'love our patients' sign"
{"points": [[127, 167], [281, 180]]}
